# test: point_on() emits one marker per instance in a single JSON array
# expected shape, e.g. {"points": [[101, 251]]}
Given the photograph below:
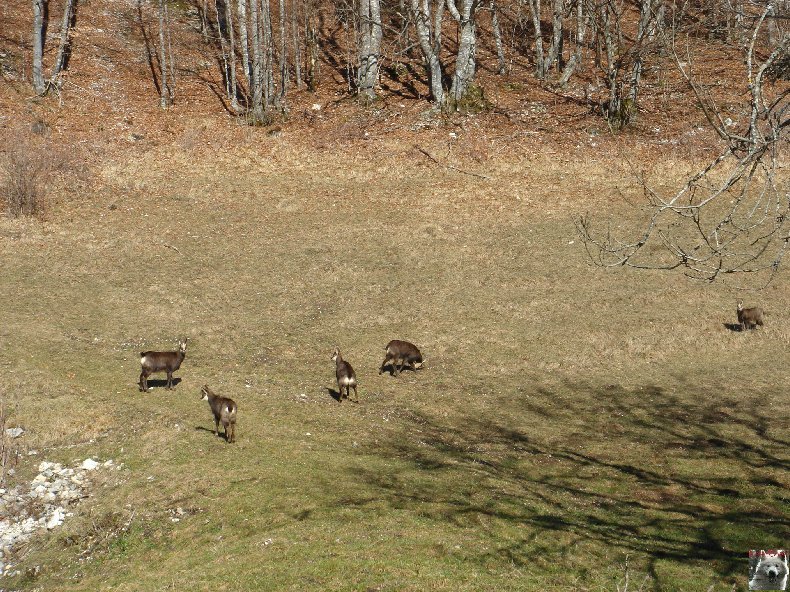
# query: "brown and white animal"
{"points": [[224, 411], [345, 376], [401, 354], [153, 361], [749, 318]]}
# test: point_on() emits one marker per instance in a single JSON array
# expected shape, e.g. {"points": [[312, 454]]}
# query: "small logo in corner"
{"points": [[768, 569]]}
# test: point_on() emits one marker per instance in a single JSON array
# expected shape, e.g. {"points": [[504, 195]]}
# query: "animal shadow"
{"points": [[336, 395], [391, 370], [733, 327], [219, 435], [160, 382]]}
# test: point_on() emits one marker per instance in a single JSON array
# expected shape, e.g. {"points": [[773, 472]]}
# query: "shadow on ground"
{"points": [[684, 476]]}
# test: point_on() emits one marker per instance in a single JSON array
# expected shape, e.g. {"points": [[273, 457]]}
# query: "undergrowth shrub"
{"points": [[27, 166]]}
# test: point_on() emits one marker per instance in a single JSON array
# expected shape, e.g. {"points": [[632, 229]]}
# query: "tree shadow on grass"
{"points": [[684, 478]]}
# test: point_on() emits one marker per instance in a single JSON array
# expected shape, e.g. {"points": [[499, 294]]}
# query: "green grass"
{"points": [[568, 418]]}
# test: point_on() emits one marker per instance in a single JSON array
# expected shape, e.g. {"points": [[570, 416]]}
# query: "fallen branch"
{"points": [[172, 247], [451, 167]]}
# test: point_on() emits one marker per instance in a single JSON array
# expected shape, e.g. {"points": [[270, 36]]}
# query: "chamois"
{"points": [[345, 376], [153, 361], [749, 318], [401, 354], [224, 411]]}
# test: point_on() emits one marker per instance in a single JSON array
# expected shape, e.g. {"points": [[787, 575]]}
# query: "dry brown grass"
{"points": [[567, 416]]}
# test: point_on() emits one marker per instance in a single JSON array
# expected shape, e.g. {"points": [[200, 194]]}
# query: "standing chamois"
{"points": [[345, 376], [153, 361], [749, 318], [224, 411], [401, 354]]}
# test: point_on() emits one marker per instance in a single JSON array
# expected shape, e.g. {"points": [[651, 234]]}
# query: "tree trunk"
{"points": [[296, 49], [555, 49], [224, 49], [465, 62], [370, 47], [311, 36], [540, 69], [256, 80], [234, 97], [576, 58], [500, 48], [245, 45], [283, 55], [165, 98], [39, 10], [269, 96], [645, 20], [64, 49], [429, 36]]}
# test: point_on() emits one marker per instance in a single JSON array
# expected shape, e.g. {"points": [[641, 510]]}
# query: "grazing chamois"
{"points": [[153, 361], [224, 411], [401, 354], [345, 376], [749, 318]]}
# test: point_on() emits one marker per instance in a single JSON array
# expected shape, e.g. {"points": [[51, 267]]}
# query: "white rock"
{"points": [[14, 432], [56, 519], [89, 464]]}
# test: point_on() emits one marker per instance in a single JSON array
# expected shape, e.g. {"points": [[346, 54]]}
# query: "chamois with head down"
{"points": [[224, 411], [346, 377], [749, 318], [401, 354], [154, 361]]}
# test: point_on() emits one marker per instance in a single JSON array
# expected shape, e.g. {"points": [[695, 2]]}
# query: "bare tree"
{"points": [[40, 24], [733, 215], [166, 90], [283, 55], [232, 83], [428, 15], [258, 109], [313, 69], [241, 8], [297, 50], [582, 21], [544, 61], [623, 61], [369, 47], [465, 15], [497, 32]]}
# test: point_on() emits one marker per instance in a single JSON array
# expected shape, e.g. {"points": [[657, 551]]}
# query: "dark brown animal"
{"points": [[749, 318], [153, 361], [401, 354], [224, 411], [345, 376]]}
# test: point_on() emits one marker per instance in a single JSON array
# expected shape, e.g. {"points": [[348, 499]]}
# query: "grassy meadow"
{"points": [[571, 425]]}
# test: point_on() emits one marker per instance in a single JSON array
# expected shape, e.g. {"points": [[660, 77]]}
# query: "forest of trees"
{"points": [[266, 48]]}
